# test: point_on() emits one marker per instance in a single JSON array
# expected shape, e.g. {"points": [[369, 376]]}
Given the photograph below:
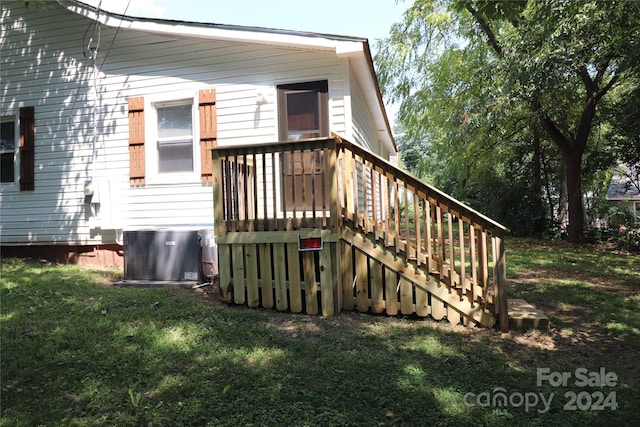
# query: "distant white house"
{"points": [[624, 190], [107, 119]]}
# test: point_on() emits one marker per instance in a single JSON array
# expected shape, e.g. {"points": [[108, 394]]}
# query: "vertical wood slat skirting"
{"points": [[268, 275]]}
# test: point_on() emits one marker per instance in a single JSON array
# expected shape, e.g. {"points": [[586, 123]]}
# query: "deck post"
{"points": [[501, 284], [216, 172], [334, 212]]}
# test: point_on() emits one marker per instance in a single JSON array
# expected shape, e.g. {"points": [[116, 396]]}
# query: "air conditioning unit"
{"points": [[169, 255]]}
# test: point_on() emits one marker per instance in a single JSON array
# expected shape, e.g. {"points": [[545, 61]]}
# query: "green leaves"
{"points": [[475, 76]]}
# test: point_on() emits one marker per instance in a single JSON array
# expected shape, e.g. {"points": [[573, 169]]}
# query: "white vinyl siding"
{"points": [[43, 66], [364, 131]]}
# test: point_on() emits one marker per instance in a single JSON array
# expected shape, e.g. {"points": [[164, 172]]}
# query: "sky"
{"points": [[371, 19]]}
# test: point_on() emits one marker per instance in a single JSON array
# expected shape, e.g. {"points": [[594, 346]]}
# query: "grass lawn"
{"points": [[78, 351]]}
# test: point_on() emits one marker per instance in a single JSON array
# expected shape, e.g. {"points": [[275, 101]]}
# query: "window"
{"points": [[303, 110], [8, 149], [304, 113], [166, 151], [175, 138]]}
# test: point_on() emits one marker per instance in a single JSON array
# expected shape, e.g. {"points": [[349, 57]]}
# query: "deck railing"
{"points": [[330, 184], [277, 187]]}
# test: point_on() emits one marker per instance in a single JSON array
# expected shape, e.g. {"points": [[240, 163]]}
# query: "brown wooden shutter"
{"points": [[136, 141], [208, 131], [27, 152]]}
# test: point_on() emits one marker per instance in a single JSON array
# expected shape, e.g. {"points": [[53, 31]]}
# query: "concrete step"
{"points": [[523, 316]]}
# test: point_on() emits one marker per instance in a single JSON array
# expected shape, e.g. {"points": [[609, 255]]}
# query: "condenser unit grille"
{"points": [[162, 255]]}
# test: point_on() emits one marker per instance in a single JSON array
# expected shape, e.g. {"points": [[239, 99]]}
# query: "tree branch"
{"points": [[602, 68], [561, 140], [486, 29]]}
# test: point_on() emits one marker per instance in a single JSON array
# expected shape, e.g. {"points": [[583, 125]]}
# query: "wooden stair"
{"points": [[394, 243], [446, 301]]}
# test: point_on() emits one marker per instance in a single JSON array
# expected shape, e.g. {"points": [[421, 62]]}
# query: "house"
{"points": [[76, 80], [624, 193], [121, 134]]}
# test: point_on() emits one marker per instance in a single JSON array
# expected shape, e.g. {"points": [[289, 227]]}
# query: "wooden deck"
{"points": [[391, 243]]}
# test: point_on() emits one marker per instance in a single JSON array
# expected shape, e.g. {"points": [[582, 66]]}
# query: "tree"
{"points": [[504, 70]]}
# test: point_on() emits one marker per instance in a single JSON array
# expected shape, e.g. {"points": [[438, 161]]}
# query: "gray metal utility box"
{"points": [[163, 255]]}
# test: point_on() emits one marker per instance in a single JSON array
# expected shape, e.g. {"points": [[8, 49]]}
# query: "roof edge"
{"points": [[343, 46]]}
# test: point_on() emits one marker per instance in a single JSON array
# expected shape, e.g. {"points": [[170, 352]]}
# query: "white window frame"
{"points": [[151, 140], [16, 149]]}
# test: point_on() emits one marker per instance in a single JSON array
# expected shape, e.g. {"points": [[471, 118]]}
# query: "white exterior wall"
{"points": [[43, 65], [363, 126]]}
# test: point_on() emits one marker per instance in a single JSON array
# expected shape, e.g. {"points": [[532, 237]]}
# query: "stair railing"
{"points": [[327, 182], [435, 232]]}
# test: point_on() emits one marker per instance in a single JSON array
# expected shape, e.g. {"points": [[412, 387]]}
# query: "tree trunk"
{"points": [[573, 163], [539, 226]]}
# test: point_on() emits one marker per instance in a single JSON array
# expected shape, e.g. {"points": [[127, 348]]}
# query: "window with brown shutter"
{"points": [[136, 142], [27, 151], [208, 131]]}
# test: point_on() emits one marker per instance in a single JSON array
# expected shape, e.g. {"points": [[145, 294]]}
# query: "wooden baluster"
{"points": [[246, 190], [463, 275], [253, 199], [236, 193], [473, 264], [500, 283], [397, 215], [304, 189], [292, 156], [274, 192], [351, 192], [365, 190], [333, 191], [374, 204], [441, 242], [483, 266], [265, 201], [426, 221], [407, 234], [452, 257], [387, 227], [324, 179], [230, 214], [314, 188], [416, 220]]}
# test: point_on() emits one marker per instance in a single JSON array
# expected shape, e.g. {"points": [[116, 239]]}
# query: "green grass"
{"points": [[601, 288], [77, 351]]}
